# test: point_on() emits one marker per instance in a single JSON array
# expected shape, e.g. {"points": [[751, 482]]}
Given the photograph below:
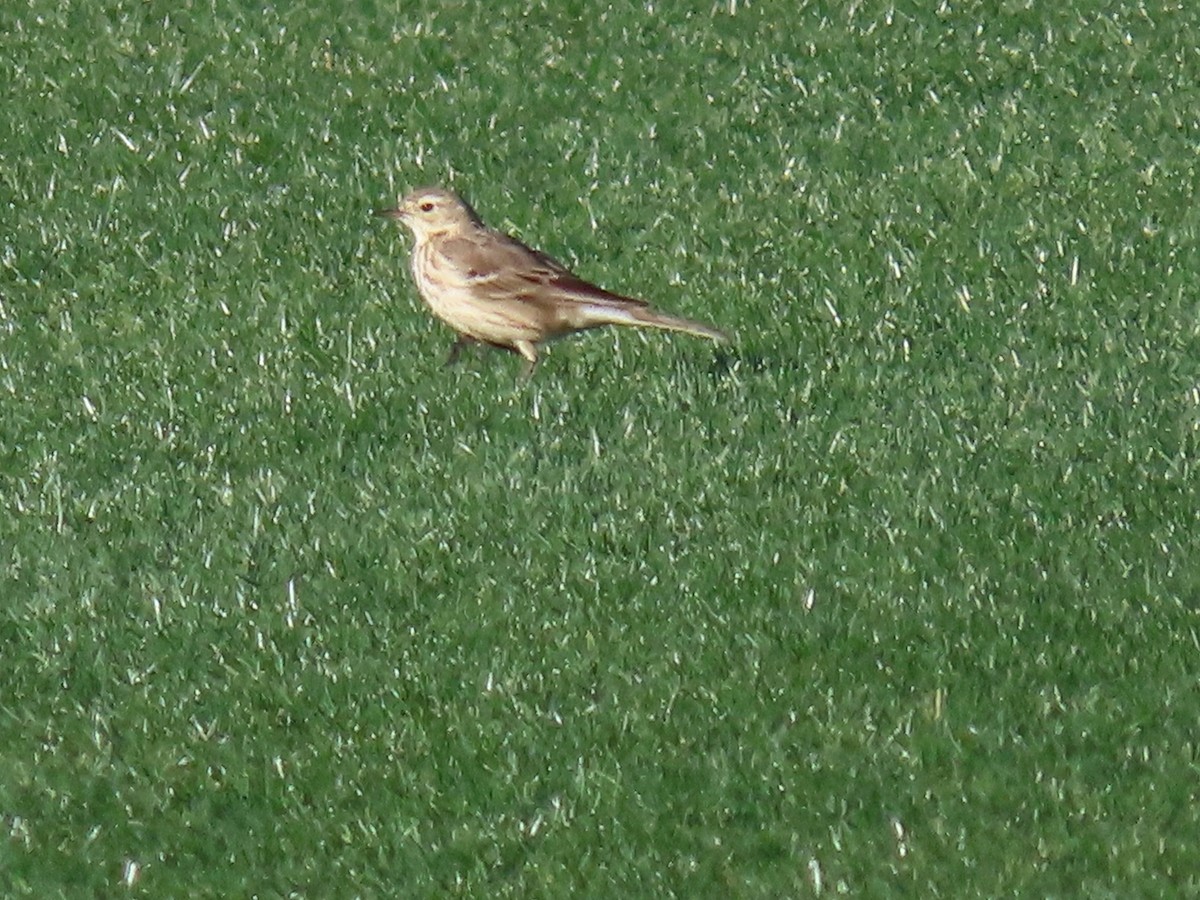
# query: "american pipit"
{"points": [[492, 289]]}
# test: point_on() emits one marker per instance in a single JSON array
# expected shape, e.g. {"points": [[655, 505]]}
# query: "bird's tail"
{"points": [[638, 315]]}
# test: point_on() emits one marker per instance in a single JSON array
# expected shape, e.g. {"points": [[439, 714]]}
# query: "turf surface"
{"points": [[895, 596]]}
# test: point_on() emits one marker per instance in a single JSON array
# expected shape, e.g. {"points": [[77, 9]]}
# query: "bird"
{"points": [[494, 290]]}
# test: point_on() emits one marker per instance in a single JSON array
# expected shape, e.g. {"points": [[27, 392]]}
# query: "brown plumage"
{"points": [[492, 289]]}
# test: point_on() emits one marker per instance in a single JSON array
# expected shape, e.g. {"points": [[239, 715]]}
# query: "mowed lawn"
{"points": [[894, 595]]}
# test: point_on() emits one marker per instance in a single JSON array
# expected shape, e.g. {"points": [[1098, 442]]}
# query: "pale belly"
{"points": [[491, 320]]}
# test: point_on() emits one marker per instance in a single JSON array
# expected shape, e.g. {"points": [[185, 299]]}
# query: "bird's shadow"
{"points": [[731, 362]]}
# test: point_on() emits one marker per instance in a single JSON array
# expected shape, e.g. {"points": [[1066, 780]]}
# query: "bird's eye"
{"points": [[427, 206]]}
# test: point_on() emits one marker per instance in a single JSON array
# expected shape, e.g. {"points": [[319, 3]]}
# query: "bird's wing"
{"points": [[505, 267]]}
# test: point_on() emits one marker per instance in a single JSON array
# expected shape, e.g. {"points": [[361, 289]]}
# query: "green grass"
{"points": [[897, 596]]}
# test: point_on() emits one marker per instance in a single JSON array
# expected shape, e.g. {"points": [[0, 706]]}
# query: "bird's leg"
{"points": [[456, 350], [528, 350]]}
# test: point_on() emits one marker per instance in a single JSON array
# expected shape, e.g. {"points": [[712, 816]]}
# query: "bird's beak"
{"points": [[394, 213]]}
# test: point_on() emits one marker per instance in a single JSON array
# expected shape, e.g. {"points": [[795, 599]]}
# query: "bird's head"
{"points": [[432, 212]]}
